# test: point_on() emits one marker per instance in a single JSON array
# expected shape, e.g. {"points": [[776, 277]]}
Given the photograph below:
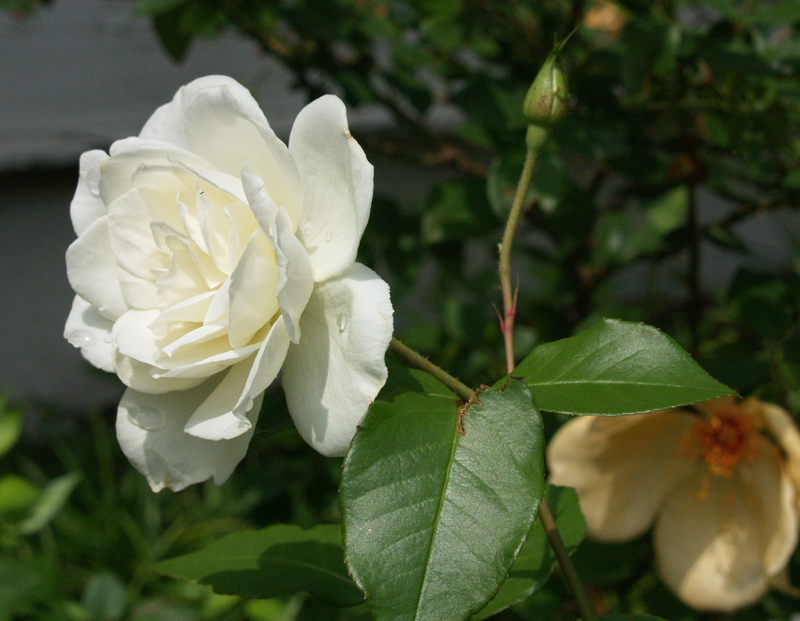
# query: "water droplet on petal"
{"points": [[341, 322], [328, 236], [306, 231], [82, 338], [147, 417]]}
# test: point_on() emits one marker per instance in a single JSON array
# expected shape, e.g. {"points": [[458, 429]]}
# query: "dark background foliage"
{"points": [[648, 204]]}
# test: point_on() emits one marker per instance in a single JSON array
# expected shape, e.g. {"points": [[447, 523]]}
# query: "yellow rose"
{"points": [[721, 493]]}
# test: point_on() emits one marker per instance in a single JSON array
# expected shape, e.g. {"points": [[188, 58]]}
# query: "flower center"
{"points": [[723, 440]]}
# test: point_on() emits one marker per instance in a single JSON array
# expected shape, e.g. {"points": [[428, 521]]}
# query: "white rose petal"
{"points": [[148, 164], [87, 329], [332, 375], [150, 430], [217, 418], [217, 119], [87, 206], [253, 290], [196, 284], [132, 237], [295, 274], [93, 271], [337, 180]]}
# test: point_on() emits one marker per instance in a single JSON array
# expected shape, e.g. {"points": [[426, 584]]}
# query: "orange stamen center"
{"points": [[723, 440]]}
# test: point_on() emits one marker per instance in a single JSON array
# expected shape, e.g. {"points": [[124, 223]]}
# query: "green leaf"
{"points": [[780, 13], [275, 561], [16, 495], [726, 238], [10, 426], [500, 187], [104, 597], [792, 180], [157, 7], [621, 237], [629, 618], [536, 561], [436, 502], [454, 211], [158, 610], [668, 211], [608, 564], [443, 9], [25, 586], [174, 39], [53, 497], [616, 367]]}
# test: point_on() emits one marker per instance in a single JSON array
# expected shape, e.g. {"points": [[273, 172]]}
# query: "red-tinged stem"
{"points": [[509, 298], [507, 324]]}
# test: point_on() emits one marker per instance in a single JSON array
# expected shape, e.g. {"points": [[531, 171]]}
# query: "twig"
{"points": [[567, 568]]}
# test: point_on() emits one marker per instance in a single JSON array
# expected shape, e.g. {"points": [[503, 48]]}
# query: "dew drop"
{"points": [[341, 322], [306, 231], [147, 417], [328, 236], [82, 338]]}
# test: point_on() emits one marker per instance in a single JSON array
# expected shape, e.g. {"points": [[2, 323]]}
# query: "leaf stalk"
{"points": [[420, 361], [567, 568]]}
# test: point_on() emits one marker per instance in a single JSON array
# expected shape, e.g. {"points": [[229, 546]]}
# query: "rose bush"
{"points": [[209, 257]]}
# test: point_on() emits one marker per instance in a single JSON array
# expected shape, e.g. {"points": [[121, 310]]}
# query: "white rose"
{"points": [[209, 257]]}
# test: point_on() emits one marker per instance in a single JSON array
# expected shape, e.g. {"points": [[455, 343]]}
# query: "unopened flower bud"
{"points": [[546, 101]]}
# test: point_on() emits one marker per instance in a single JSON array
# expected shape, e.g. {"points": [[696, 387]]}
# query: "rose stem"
{"points": [[509, 311]]}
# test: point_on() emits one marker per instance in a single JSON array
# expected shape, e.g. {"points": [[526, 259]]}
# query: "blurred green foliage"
{"points": [[80, 530], [681, 141]]}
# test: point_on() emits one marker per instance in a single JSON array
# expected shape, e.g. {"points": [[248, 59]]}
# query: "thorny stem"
{"points": [[510, 307], [509, 301], [418, 360]]}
